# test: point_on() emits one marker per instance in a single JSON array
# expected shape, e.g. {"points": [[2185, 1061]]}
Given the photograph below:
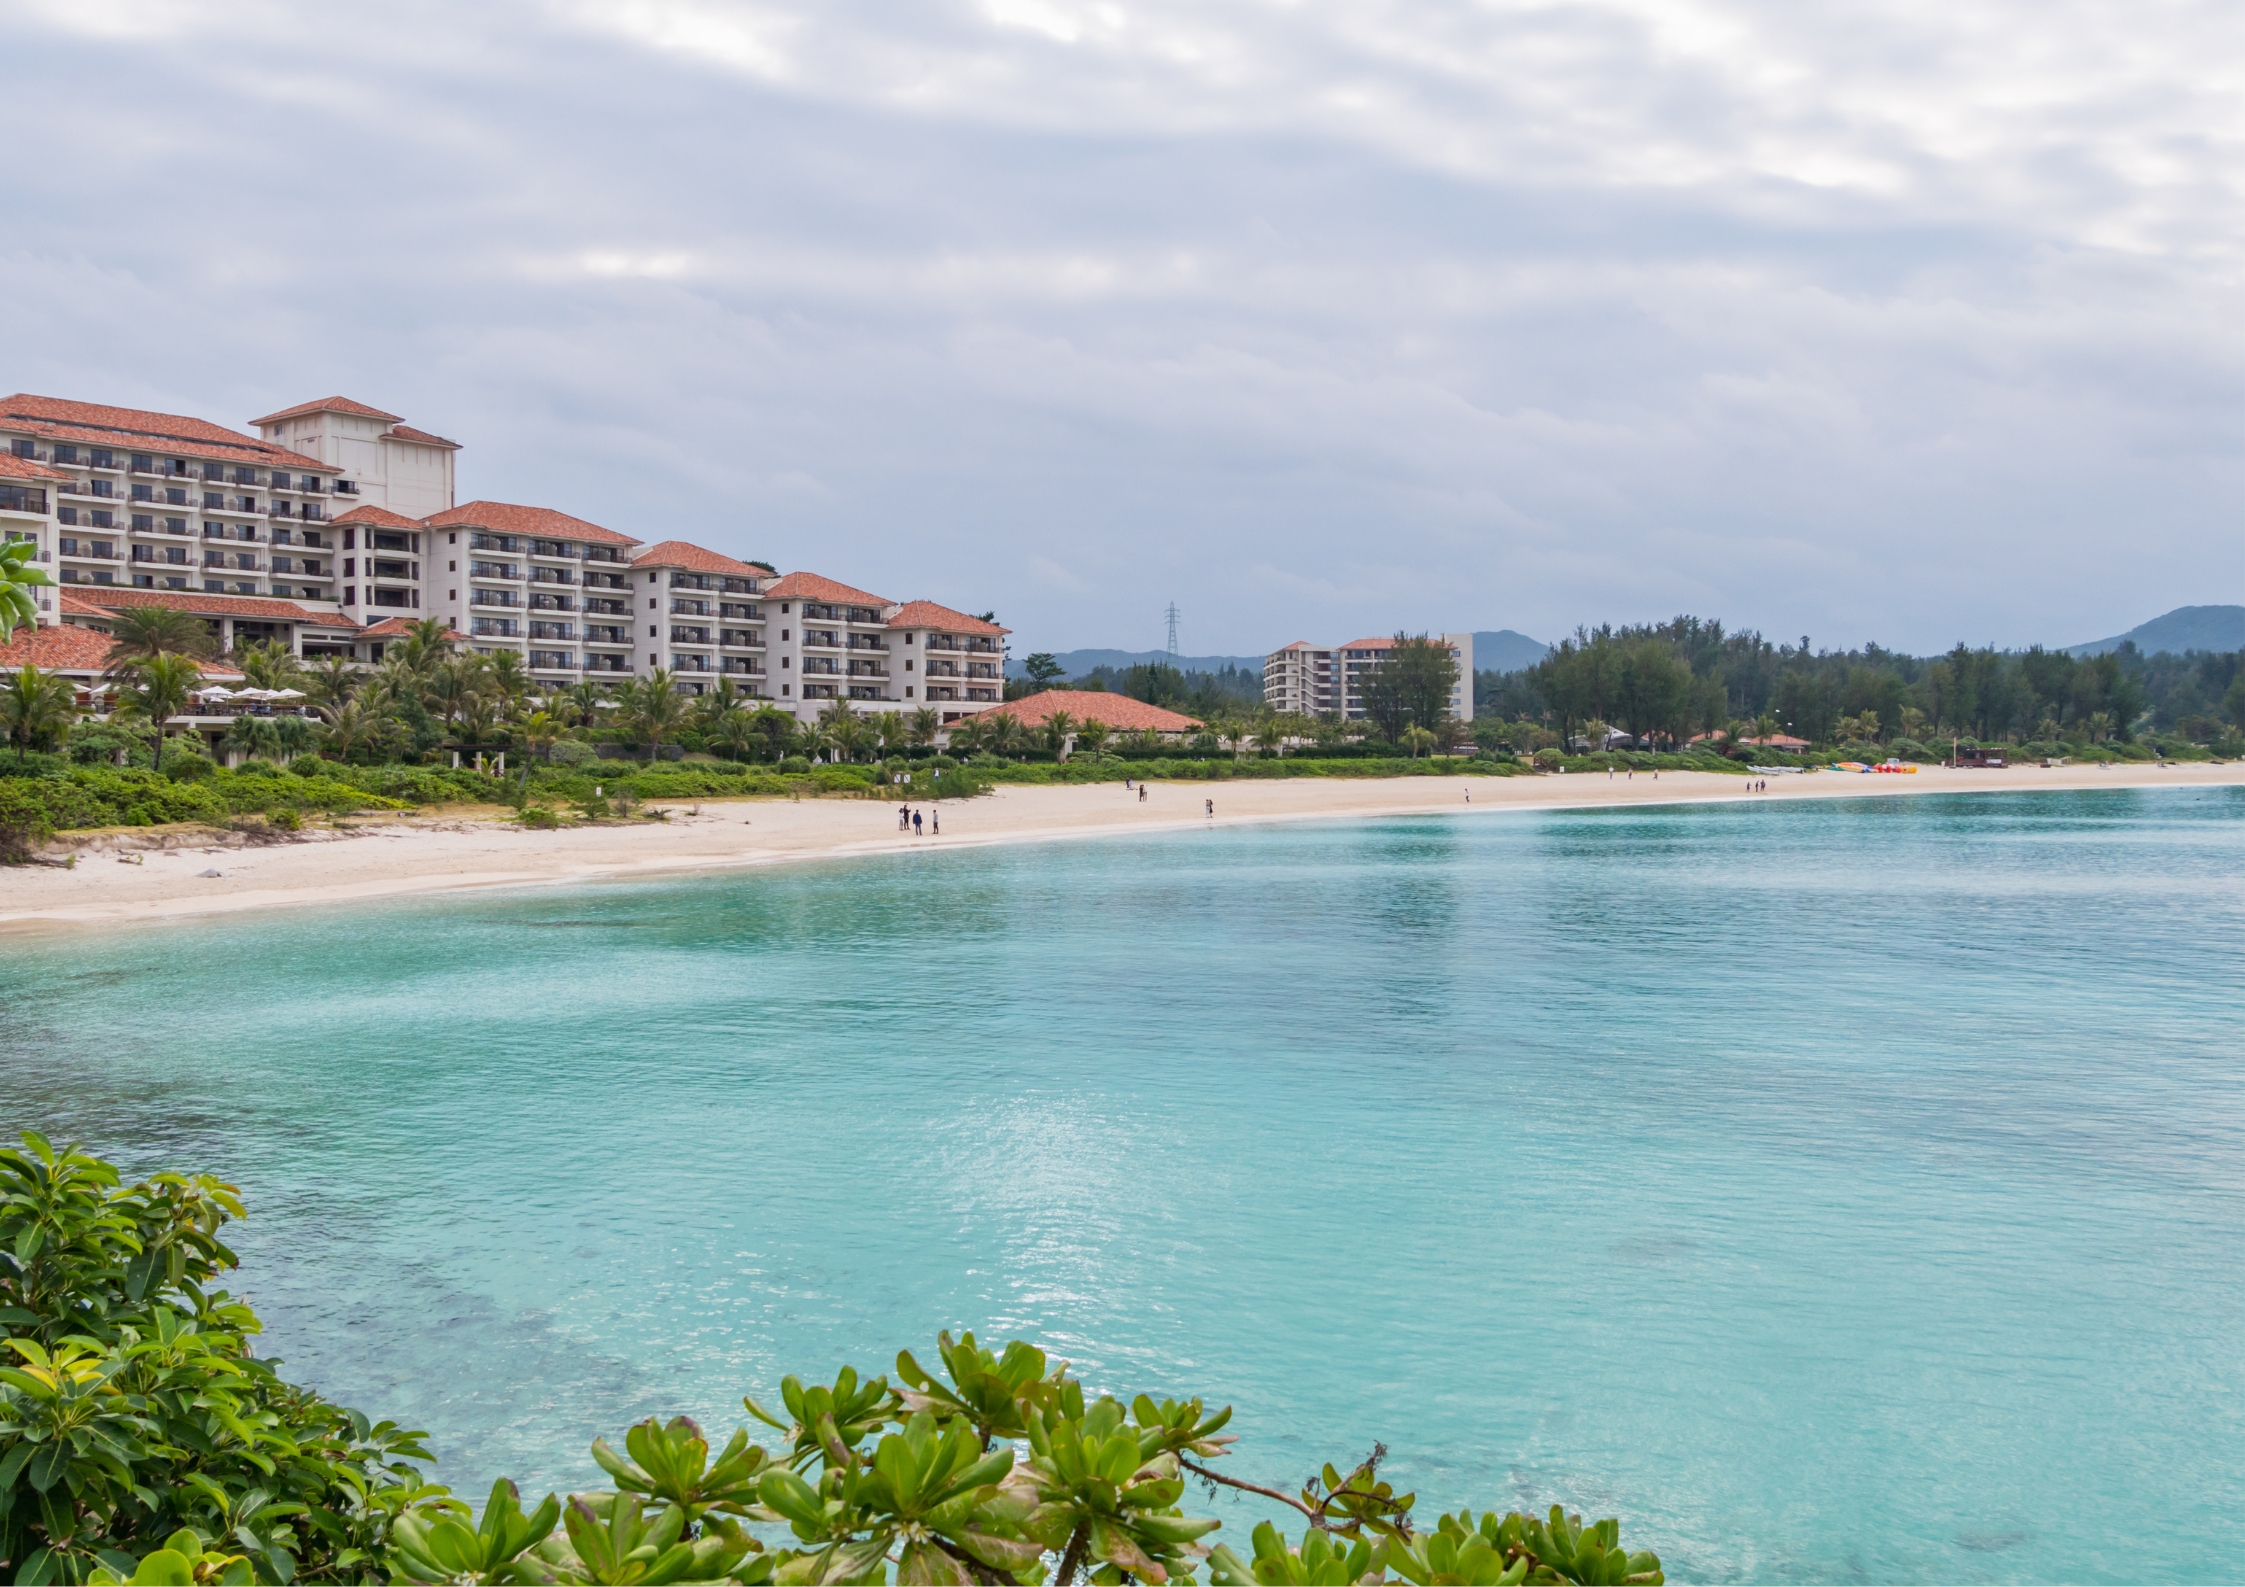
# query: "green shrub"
{"points": [[543, 817], [24, 821], [795, 765]]}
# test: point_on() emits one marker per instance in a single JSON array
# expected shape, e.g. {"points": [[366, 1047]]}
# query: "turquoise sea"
{"points": [[1834, 1191]]}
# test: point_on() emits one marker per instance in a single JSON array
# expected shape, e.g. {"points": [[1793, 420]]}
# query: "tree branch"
{"points": [[1251, 1487], [1072, 1557]]}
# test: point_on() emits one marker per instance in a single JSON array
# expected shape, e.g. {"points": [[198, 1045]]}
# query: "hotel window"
{"points": [[66, 515]]}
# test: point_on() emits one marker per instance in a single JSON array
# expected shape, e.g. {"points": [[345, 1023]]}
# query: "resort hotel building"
{"points": [[336, 525], [1304, 680]]}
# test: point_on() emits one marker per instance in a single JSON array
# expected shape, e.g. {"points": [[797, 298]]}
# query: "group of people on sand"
{"points": [[1128, 784], [908, 820]]}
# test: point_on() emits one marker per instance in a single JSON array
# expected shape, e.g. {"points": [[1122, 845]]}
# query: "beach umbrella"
{"points": [[215, 692], [286, 694]]}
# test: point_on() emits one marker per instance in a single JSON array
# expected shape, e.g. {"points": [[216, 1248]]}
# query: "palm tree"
{"points": [[331, 684], [270, 665], [1006, 734], [252, 736], [968, 735], [479, 717], [294, 735], [424, 645], [539, 731], [159, 692], [720, 700], [736, 732], [453, 685], [507, 680], [141, 633], [1416, 739], [653, 708], [355, 725], [579, 704], [1059, 729], [36, 708], [924, 725], [1092, 736], [1145, 743]]}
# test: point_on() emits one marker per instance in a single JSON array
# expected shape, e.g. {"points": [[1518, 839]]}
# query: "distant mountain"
{"points": [[1506, 651], [1079, 662], [2184, 628]]}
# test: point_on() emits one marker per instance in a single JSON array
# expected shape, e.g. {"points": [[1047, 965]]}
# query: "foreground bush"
{"points": [[141, 1440]]}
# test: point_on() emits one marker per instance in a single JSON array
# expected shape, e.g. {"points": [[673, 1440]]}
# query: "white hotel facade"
{"points": [[338, 520], [1306, 680]]}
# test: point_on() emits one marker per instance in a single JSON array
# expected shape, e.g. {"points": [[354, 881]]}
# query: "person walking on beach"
{"points": [[1141, 793], [935, 822], [903, 817], [915, 823], [1211, 808]]}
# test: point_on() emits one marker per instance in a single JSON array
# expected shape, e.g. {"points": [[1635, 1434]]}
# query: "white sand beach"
{"points": [[130, 875]]}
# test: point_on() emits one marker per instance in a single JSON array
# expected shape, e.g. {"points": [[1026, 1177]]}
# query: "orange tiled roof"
{"points": [[77, 606], [135, 427], [814, 587], [379, 515], [13, 467], [926, 614], [391, 627], [696, 559], [1118, 711], [543, 523], [327, 405], [203, 604], [1386, 642], [406, 432], [63, 648]]}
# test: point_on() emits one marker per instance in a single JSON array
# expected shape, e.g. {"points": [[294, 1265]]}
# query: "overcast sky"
{"points": [[1909, 321]]}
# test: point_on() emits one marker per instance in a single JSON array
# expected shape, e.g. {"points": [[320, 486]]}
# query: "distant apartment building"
{"points": [[1302, 679], [337, 524]]}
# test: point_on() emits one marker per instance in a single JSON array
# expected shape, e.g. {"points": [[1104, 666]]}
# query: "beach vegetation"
{"points": [[142, 1439]]}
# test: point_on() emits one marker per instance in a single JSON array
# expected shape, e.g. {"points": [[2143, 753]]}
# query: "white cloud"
{"points": [[1913, 320]]}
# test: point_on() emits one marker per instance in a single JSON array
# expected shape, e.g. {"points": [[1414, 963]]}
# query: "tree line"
{"points": [[1678, 680]]}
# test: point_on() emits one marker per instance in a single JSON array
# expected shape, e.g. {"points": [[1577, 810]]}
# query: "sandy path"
{"points": [[429, 854]]}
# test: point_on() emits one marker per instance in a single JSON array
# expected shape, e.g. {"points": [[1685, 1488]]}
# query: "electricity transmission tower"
{"points": [[1172, 615]]}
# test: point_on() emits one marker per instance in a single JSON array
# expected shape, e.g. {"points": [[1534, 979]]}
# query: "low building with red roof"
{"points": [[1117, 711]]}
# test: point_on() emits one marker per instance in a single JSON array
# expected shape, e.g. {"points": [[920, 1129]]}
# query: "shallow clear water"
{"points": [[1832, 1191]]}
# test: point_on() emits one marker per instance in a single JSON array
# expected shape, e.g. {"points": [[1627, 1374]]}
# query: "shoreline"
{"points": [[399, 857]]}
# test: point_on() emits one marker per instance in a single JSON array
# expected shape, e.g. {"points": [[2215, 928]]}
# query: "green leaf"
{"points": [[165, 1568], [47, 1465]]}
